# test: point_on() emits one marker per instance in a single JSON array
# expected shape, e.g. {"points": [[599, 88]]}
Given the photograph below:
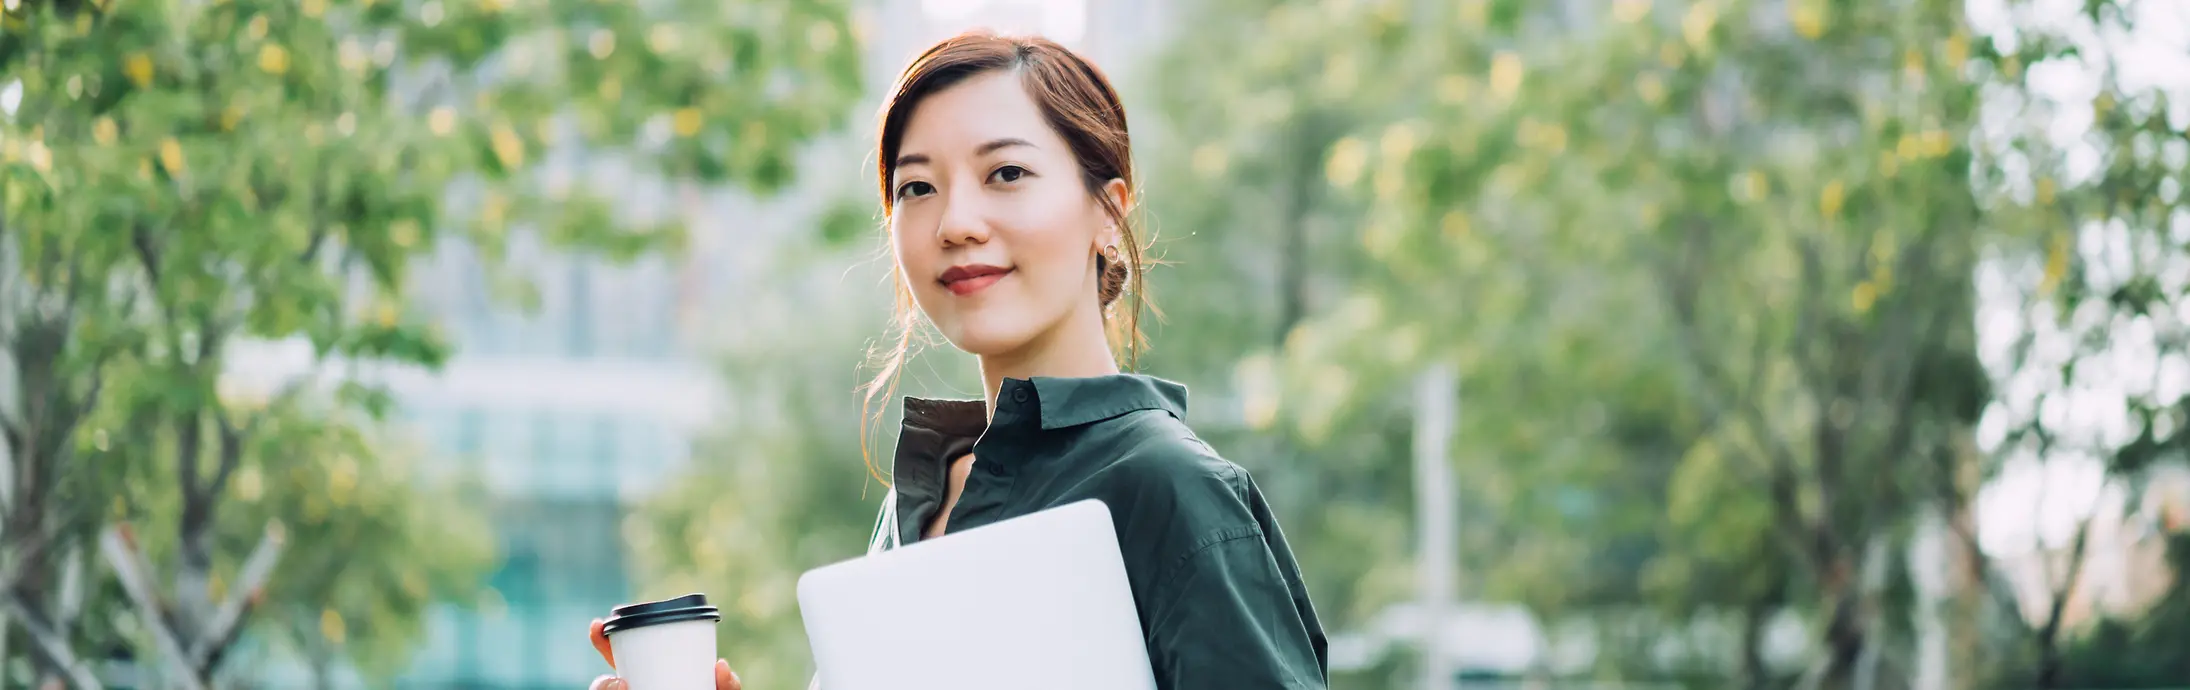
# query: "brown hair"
{"points": [[1080, 104]]}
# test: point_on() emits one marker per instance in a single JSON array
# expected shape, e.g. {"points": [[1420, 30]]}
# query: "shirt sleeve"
{"points": [[1226, 618]]}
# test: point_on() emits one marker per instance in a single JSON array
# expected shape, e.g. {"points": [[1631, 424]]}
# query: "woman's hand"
{"points": [[725, 679]]}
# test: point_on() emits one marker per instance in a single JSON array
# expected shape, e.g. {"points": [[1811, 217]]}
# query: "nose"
{"points": [[963, 220]]}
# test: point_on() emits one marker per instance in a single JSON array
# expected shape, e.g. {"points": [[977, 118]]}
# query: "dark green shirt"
{"points": [[1221, 600]]}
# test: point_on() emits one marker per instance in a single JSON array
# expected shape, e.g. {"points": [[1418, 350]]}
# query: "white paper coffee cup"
{"points": [[665, 645]]}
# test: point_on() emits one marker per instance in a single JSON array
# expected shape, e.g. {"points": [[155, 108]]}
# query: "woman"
{"points": [[1006, 178]]}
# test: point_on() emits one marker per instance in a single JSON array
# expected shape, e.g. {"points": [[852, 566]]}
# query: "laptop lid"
{"points": [[1036, 601]]}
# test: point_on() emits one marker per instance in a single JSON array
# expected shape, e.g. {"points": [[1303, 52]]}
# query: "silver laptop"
{"points": [[1036, 601]]}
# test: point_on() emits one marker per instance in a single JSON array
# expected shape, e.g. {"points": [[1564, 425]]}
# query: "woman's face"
{"points": [[995, 233]]}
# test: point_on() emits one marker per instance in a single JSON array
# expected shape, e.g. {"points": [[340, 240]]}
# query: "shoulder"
{"points": [[1170, 492]]}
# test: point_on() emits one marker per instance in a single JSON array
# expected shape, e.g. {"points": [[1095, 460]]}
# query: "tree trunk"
{"points": [[1752, 672]]}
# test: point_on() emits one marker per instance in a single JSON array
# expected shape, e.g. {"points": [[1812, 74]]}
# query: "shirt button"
{"points": [[1019, 395], [994, 469]]}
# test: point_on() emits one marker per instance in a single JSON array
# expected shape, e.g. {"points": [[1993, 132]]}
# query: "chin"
{"points": [[994, 335]]}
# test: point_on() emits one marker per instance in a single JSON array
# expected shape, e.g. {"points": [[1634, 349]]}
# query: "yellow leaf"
{"points": [[1474, 13], [1630, 11], [494, 210], [403, 233], [1888, 164], [1346, 161], [1912, 62], [249, 486], [351, 55], [1670, 55], [1936, 143], [601, 44], [138, 67], [144, 169], [330, 626], [1749, 186], [257, 28], [442, 121], [1505, 74], [342, 480], [41, 159], [2045, 191], [1651, 88], [1400, 140], [508, 147], [1830, 199], [171, 156], [2057, 256], [1453, 89], [1697, 24], [687, 121], [274, 59], [1808, 18], [662, 39], [611, 88], [313, 8], [1455, 225], [1865, 296], [821, 37], [230, 117], [1957, 49]]}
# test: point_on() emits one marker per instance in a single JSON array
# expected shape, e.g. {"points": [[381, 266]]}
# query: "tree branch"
{"points": [[121, 554], [50, 645], [1721, 401], [258, 568], [2049, 635], [311, 247]]}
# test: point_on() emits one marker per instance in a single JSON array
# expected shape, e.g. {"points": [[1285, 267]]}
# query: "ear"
{"points": [[1122, 197]]}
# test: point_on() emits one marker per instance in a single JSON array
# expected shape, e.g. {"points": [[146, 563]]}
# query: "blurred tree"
{"points": [[2091, 286], [181, 176], [1707, 267], [1681, 252]]}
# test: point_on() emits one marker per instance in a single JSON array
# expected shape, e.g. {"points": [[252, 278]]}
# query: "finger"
{"points": [[600, 644], [726, 679], [606, 683]]}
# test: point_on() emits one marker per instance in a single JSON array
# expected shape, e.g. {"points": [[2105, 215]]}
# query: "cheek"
{"points": [[1055, 234]]}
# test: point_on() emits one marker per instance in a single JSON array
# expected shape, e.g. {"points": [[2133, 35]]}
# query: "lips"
{"points": [[969, 279]]}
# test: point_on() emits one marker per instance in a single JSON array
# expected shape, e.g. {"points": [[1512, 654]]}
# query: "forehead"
{"points": [[983, 108]]}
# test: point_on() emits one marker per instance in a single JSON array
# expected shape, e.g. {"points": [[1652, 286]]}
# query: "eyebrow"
{"points": [[991, 146]]}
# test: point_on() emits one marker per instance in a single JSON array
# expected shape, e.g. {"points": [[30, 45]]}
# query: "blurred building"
{"points": [[573, 413]]}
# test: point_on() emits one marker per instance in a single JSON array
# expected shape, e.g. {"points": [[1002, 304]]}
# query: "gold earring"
{"points": [[1110, 253]]}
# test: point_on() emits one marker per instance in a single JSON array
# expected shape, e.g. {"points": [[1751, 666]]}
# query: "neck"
{"points": [[1076, 348]]}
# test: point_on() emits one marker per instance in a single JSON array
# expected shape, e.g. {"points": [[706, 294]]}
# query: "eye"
{"points": [[914, 188], [1008, 174]]}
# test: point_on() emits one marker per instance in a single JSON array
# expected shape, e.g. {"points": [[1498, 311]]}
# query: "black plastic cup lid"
{"points": [[690, 607]]}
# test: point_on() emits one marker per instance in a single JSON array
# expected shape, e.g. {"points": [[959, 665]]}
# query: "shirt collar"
{"points": [[937, 431], [1048, 403]]}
